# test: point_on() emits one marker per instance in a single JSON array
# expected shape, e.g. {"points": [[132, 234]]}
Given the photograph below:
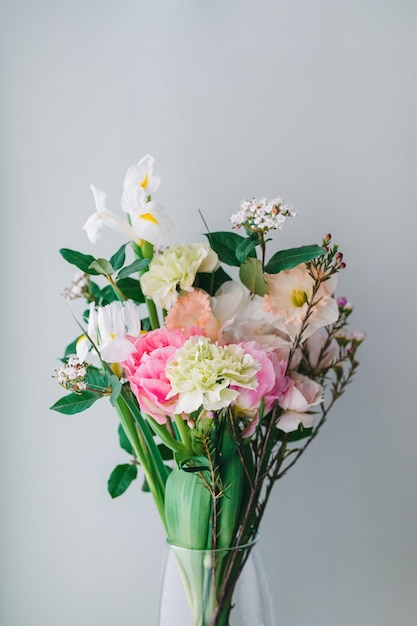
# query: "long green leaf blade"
{"points": [[136, 266], [82, 261], [287, 259]]}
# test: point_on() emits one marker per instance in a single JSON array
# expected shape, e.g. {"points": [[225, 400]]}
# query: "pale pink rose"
{"points": [[320, 357], [145, 371], [301, 395], [289, 421], [193, 310], [288, 298]]}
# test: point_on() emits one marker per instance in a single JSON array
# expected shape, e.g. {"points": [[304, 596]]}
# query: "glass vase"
{"points": [[215, 588]]}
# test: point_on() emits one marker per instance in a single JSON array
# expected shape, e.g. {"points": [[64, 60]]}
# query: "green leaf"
{"points": [[136, 266], [233, 478], [116, 387], [128, 286], [131, 288], [187, 510], [75, 402], [166, 453], [251, 275], [118, 258], [124, 441], [121, 478], [82, 261], [71, 349], [246, 248], [287, 259], [211, 281], [102, 266], [225, 244]]}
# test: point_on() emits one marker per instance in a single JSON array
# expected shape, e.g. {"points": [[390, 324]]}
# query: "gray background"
{"points": [[313, 100]]}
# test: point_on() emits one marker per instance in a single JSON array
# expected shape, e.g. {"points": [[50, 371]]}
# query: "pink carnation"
{"points": [[272, 383], [145, 371]]}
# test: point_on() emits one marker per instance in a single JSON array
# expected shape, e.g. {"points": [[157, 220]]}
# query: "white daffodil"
{"points": [[104, 217], [108, 327], [139, 183], [147, 217]]}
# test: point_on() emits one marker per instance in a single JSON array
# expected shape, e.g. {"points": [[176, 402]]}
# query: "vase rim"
{"points": [[244, 546]]}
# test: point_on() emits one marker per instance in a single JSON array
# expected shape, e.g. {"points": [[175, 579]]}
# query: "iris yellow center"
{"points": [[298, 297], [112, 336], [145, 181], [149, 217]]}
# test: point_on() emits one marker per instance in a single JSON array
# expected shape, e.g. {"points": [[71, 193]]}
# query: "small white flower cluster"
{"points": [[76, 289], [72, 375], [261, 215]]}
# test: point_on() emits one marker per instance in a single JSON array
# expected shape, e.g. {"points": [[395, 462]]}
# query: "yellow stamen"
{"points": [[298, 297], [145, 182], [149, 217], [112, 336], [117, 369]]}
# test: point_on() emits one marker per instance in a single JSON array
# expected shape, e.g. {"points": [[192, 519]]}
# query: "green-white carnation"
{"points": [[202, 372], [175, 267]]}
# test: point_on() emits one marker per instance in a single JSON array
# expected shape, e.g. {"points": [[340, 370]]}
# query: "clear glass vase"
{"points": [[215, 588]]}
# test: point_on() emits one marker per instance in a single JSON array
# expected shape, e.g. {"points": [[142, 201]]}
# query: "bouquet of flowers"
{"points": [[222, 362]]}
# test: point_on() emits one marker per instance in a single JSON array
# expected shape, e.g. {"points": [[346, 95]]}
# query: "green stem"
{"points": [[165, 436], [147, 461], [183, 431]]}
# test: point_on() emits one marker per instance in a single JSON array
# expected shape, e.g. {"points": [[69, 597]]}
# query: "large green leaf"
{"points": [[75, 402], [287, 259], [251, 275], [136, 266], [187, 510], [226, 244], [118, 258], [82, 261], [121, 478], [233, 476]]}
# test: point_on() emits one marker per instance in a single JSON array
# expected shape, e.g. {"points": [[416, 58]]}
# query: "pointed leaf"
{"points": [[124, 441], [118, 258], [121, 478], [287, 259], [251, 275], [75, 402], [102, 266], [225, 244], [82, 261], [136, 266], [246, 248]]}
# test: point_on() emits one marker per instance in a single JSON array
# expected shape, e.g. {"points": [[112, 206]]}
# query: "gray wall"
{"points": [[315, 101]]}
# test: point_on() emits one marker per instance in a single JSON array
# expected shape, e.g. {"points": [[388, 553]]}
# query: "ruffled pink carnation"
{"points": [[272, 384], [145, 371]]}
